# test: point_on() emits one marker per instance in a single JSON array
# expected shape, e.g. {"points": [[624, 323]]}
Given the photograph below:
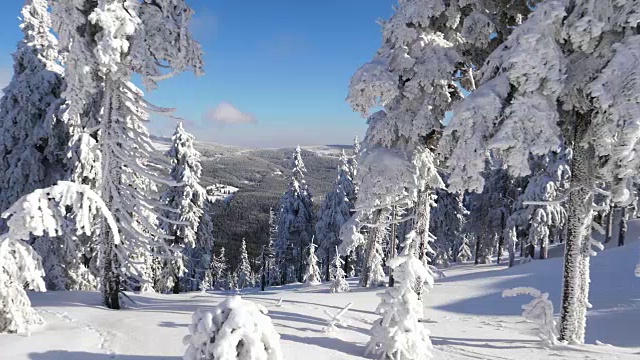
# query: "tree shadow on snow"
{"points": [[616, 303], [485, 343], [81, 355], [331, 343]]}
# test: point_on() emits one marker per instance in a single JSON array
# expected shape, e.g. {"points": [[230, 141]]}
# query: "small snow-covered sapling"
{"points": [[233, 329], [539, 311], [336, 319]]}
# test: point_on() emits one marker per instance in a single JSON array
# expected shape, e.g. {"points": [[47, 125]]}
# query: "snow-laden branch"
{"points": [[539, 311], [336, 319]]}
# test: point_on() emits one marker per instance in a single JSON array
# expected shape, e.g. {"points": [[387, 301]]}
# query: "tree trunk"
{"points": [[263, 280], [576, 255], [422, 220], [477, 259], [608, 225], [392, 245], [300, 262], [501, 235], [110, 278], [327, 275], [346, 264], [374, 234], [176, 284], [623, 226], [511, 243], [544, 250]]}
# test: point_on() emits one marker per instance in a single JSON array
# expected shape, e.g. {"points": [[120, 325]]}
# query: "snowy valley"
{"points": [[465, 313]]}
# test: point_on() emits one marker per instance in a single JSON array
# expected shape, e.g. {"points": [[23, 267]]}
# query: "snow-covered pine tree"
{"points": [[570, 71], [295, 223], [448, 219], [19, 266], [219, 269], [415, 77], [244, 268], [312, 272], [33, 136], [464, 251], [33, 141], [488, 211], [535, 212], [334, 213], [339, 283], [104, 43], [266, 255], [272, 276], [185, 205], [201, 256], [40, 213], [399, 334]]}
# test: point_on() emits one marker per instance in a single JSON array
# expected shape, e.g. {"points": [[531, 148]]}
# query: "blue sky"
{"points": [[277, 72]]}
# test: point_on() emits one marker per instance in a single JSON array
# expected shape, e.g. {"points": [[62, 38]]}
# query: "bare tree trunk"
{"points": [[477, 259], [263, 278], [372, 238], [501, 235], [576, 256], [346, 264], [622, 234], [327, 274], [608, 225], [422, 220], [392, 245], [110, 278]]}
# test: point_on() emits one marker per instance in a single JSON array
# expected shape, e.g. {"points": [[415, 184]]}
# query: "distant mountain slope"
{"points": [[262, 175]]}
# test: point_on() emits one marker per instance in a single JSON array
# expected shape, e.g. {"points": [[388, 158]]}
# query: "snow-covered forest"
{"points": [[499, 161]]}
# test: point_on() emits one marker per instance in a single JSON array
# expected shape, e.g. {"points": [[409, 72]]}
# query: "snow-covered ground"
{"points": [[467, 316]]}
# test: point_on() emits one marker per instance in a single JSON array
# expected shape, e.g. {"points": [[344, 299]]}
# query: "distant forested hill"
{"points": [[262, 175]]}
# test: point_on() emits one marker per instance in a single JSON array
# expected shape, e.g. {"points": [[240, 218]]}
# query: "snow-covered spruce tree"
{"points": [[185, 205], [33, 136], [448, 219], [295, 223], [570, 71], [416, 78], [339, 283], [334, 213], [40, 213], [270, 273], [489, 210], [244, 268], [201, 255], [312, 272], [535, 212], [464, 251], [33, 141], [233, 329], [399, 334], [219, 269], [104, 43]]}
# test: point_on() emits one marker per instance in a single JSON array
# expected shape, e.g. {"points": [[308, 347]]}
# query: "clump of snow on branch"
{"points": [[399, 334], [538, 311], [233, 329]]}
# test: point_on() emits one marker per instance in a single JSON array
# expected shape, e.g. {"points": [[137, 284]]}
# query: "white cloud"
{"points": [[225, 113]]}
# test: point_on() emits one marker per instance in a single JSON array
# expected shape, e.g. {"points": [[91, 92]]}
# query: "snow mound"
{"points": [[234, 329]]}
